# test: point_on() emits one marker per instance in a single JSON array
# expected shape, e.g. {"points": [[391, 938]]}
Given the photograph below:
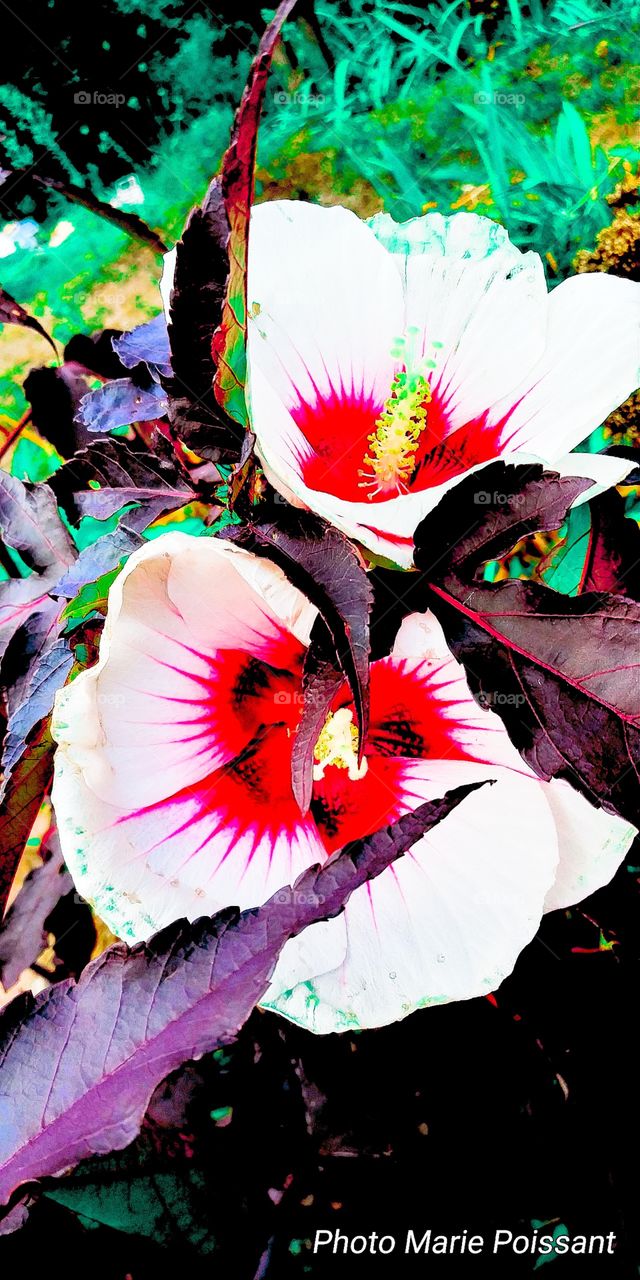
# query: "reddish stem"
{"points": [[13, 435]]}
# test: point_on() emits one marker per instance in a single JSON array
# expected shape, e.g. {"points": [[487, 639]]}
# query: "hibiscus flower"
{"points": [[387, 360], [173, 795]]}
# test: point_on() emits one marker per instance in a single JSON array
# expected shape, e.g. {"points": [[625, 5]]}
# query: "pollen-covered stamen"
{"points": [[338, 745], [394, 443]]}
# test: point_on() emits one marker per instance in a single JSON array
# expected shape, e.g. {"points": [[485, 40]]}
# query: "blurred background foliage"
{"points": [[524, 112]]}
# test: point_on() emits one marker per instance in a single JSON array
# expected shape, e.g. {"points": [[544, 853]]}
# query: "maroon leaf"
{"points": [[236, 194], [22, 932], [12, 313], [325, 566], [20, 801], [196, 302], [207, 330], [321, 679], [105, 1042], [612, 561], [562, 672]]}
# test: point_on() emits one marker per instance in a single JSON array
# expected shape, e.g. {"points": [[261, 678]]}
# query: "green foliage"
{"points": [[565, 565], [91, 600], [33, 461], [526, 117], [137, 1197], [425, 105]]}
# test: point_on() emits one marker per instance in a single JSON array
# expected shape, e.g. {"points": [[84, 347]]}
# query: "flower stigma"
{"points": [[394, 442], [338, 745]]}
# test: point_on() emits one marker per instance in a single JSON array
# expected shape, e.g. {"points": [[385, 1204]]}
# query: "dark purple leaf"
{"points": [[196, 303], [54, 396], [321, 679], [105, 1042], [35, 665], [101, 557], [483, 517], [612, 562], [108, 475], [97, 353], [37, 658], [146, 344], [22, 932], [45, 662], [325, 566], [12, 313], [30, 523], [19, 598], [119, 403], [599, 551], [563, 672]]}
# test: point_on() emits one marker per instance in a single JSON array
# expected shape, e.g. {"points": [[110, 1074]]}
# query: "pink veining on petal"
{"points": [[337, 427]]}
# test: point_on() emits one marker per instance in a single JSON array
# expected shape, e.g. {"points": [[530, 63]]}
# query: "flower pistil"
{"points": [[338, 745], [394, 442]]}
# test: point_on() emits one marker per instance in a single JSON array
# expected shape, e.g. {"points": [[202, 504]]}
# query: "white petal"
{"points": [[151, 826], [143, 870], [591, 365], [166, 280], [478, 730], [384, 528], [317, 949], [592, 844], [474, 295], [149, 719], [459, 235], [447, 921], [603, 468], [325, 305]]}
